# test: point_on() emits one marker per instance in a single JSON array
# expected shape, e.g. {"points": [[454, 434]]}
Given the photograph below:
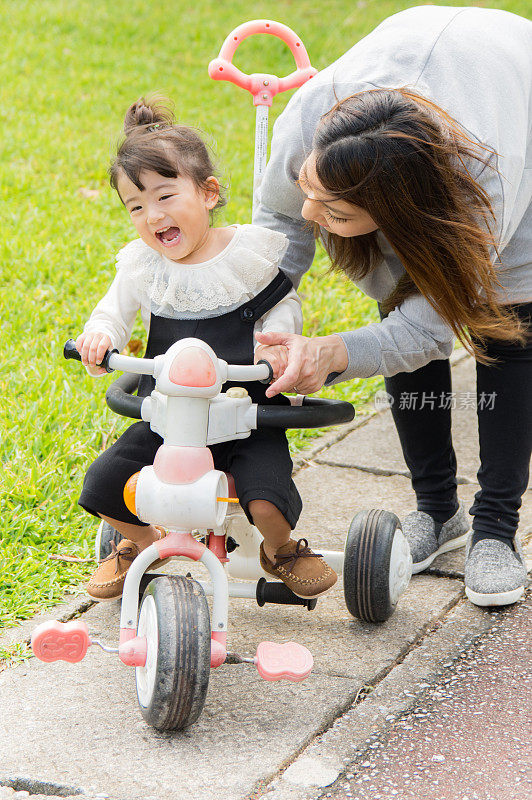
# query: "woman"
{"points": [[419, 183]]}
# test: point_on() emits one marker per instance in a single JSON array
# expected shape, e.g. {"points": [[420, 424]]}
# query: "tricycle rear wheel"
{"points": [[104, 536], [377, 565]]}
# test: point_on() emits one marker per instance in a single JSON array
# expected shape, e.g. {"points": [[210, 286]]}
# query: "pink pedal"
{"points": [[60, 641], [290, 661]]}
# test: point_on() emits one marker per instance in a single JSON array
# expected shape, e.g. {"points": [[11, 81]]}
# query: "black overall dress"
{"points": [[260, 464]]}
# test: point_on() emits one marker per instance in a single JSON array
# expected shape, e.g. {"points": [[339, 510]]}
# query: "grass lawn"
{"points": [[69, 70]]}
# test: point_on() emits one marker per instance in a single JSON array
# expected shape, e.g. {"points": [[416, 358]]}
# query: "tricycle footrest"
{"points": [[278, 592], [61, 641], [289, 661]]}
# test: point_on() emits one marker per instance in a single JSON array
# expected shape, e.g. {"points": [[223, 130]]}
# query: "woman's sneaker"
{"points": [[495, 575], [304, 572], [428, 539]]}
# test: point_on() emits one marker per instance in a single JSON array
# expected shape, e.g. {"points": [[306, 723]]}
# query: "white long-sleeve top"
{"points": [[148, 282]]}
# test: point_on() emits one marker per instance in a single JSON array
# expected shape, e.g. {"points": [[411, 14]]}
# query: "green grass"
{"points": [[69, 69]]}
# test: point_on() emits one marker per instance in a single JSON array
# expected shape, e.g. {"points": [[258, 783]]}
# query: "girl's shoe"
{"points": [[107, 583], [428, 539], [494, 574], [304, 572]]}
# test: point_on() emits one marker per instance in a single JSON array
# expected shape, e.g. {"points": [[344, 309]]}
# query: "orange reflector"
{"points": [[129, 493], [228, 499]]}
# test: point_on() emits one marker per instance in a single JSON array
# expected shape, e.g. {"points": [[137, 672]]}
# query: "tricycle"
{"points": [[174, 641]]}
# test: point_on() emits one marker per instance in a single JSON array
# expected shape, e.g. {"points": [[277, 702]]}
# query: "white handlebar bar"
{"points": [[231, 372]]}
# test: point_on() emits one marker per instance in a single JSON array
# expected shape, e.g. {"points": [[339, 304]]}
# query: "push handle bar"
{"points": [[263, 87]]}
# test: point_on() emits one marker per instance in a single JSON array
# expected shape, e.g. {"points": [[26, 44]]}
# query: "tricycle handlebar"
{"points": [[262, 371], [313, 413]]}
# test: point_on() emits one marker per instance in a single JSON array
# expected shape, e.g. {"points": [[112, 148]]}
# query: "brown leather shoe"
{"points": [[107, 583], [304, 572]]}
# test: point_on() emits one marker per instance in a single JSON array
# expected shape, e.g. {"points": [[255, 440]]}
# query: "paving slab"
{"points": [[376, 445], [342, 492], [80, 725]]}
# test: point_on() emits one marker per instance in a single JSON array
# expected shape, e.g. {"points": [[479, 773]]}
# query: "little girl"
{"points": [[220, 285]]}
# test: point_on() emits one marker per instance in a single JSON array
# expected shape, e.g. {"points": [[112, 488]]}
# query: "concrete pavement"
{"points": [[68, 729]]}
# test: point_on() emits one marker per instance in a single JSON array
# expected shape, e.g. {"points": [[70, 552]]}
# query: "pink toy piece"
{"points": [[290, 660], [133, 652], [60, 641], [175, 464], [231, 489], [218, 648], [127, 634], [263, 87], [180, 544], [216, 544], [192, 367]]}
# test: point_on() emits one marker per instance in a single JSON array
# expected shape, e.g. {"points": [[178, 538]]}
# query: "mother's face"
{"points": [[336, 216]]}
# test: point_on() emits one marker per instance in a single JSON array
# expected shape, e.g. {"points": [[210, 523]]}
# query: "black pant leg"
{"points": [[422, 414], [504, 399]]}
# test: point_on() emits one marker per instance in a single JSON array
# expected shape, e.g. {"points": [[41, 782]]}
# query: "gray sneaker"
{"points": [[426, 542], [494, 575]]}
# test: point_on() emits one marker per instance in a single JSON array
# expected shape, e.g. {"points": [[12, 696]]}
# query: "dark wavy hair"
{"points": [[154, 142], [403, 159]]}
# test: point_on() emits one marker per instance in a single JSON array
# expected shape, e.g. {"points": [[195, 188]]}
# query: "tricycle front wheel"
{"points": [[172, 685]]}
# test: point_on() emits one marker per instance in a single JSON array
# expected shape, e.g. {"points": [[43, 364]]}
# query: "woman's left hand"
{"points": [[310, 361]]}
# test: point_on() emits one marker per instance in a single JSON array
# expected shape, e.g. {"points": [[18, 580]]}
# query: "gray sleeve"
{"points": [[280, 198], [410, 337]]}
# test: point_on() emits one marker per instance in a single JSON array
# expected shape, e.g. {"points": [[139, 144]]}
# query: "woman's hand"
{"points": [[92, 347], [276, 355], [309, 361]]}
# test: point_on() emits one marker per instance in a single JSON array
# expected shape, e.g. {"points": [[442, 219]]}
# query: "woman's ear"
{"points": [[211, 192]]}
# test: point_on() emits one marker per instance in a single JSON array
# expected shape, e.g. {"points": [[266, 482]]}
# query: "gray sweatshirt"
{"points": [[477, 65]]}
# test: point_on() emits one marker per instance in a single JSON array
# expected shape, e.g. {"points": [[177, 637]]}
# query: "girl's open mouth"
{"points": [[169, 236]]}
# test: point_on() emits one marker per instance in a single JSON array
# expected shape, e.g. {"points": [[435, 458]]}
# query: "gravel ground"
{"points": [[469, 737]]}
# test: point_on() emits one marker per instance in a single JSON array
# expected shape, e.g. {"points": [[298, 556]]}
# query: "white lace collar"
{"points": [[248, 263]]}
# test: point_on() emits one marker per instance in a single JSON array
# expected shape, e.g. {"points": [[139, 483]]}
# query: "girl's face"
{"points": [[336, 216], [171, 215]]}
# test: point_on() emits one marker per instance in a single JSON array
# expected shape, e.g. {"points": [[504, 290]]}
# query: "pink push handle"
{"points": [[263, 87]]}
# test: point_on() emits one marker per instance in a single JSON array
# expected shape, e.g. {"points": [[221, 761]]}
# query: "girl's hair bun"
{"points": [[153, 109]]}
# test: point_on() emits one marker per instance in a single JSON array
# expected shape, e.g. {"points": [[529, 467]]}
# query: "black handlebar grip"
{"points": [[70, 351], [269, 379]]}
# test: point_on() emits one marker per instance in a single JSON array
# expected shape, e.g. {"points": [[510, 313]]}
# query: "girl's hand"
{"points": [[310, 361], [92, 347], [276, 355]]}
